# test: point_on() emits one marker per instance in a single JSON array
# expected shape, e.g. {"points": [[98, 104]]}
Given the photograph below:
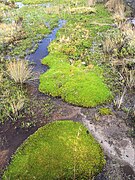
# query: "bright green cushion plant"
{"points": [[77, 85], [59, 150]]}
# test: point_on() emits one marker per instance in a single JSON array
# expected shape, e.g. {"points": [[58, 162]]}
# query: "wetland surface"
{"points": [[41, 32]]}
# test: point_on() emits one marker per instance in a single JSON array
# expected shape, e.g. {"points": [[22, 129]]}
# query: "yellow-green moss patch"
{"points": [[60, 150]]}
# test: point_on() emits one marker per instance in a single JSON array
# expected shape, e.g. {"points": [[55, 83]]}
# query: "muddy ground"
{"points": [[111, 131]]}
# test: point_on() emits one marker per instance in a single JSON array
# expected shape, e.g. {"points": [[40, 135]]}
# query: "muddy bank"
{"points": [[111, 132], [45, 110]]}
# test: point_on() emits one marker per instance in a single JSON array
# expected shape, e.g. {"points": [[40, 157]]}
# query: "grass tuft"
{"points": [[19, 71]]}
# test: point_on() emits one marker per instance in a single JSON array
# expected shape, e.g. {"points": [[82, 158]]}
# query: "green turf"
{"points": [[75, 73], [60, 150]]}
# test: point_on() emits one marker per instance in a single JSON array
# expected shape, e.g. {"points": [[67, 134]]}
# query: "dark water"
{"points": [[42, 50]]}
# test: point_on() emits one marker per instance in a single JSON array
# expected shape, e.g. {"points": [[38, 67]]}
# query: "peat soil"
{"points": [[111, 131]]}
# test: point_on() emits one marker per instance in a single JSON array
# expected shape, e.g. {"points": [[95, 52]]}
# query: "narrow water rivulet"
{"points": [[42, 50]]}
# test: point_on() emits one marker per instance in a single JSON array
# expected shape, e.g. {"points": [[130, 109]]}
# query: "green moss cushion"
{"points": [[60, 150], [75, 84]]}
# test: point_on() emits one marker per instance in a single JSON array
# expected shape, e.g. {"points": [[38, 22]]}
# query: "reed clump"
{"points": [[19, 71]]}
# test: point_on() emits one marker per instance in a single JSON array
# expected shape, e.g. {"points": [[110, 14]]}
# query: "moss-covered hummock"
{"points": [[77, 85], [60, 150]]}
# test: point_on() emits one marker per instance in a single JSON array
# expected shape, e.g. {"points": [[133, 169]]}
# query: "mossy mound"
{"points": [[76, 71], [60, 150], [77, 85]]}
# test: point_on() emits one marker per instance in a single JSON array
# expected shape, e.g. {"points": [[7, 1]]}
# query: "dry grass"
{"points": [[82, 10], [8, 32], [108, 45], [120, 99], [116, 6], [119, 19], [100, 24], [19, 71], [129, 77], [116, 40], [91, 2], [1, 77], [53, 10], [112, 41], [129, 33]]}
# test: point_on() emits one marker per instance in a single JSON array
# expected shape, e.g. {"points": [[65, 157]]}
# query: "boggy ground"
{"points": [[110, 130]]}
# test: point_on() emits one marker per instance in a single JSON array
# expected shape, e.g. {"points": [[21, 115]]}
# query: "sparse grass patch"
{"points": [[12, 100], [60, 150]]}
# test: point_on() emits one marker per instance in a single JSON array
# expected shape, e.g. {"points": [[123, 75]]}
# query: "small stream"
{"points": [[20, 5], [42, 50]]}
